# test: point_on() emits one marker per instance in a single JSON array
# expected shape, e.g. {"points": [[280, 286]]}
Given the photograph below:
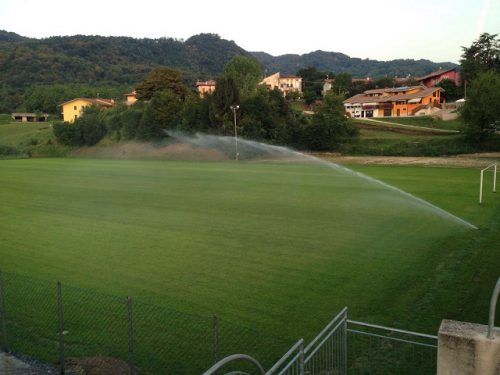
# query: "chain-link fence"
{"points": [[60, 324]]}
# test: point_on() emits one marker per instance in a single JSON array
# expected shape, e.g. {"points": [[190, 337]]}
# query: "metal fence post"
{"points": [[301, 359], [346, 367], [61, 326], [216, 338], [130, 337], [495, 178], [481, 188], [5, 344]]}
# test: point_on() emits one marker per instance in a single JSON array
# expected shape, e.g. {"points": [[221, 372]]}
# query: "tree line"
{"points": [[165, 102]]}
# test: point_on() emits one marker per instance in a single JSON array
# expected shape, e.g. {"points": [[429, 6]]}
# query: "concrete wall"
{"points": [[464, 349]]}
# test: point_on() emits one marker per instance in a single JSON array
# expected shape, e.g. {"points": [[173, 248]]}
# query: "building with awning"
{"points": [[29, 117], [395, 101]]}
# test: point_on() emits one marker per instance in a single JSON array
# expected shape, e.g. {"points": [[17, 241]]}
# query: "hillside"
{"points": [[339, 62], [123, 61], [115, 60]]}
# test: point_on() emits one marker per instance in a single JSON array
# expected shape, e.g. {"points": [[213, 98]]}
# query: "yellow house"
{"points": [[130, 98], [72, 109], [284, 82]]}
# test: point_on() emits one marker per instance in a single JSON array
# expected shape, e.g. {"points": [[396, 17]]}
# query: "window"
{"points": [[434, 94], [74, 107], [76, 116]]}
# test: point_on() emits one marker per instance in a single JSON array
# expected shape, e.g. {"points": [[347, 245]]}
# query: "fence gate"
{"points": [[348, 347]]}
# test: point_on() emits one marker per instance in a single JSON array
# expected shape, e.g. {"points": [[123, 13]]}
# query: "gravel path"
{"points": [[23, 365], [466, 160]]}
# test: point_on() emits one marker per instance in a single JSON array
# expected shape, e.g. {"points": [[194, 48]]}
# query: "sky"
{"points": [[382, 30]]}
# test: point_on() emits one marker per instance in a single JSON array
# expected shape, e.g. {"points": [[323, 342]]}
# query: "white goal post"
{"points": [[494, 167]]}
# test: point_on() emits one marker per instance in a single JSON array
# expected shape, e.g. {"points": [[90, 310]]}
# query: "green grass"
{"points": [[380, 141], [5, 119], [277, 247], [382, 134], [427, 122], [285, 236], [29, 139]]}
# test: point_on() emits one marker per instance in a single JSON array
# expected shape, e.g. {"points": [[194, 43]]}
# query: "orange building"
{"points": [[205, 87], [396, 101], [130, 98]]}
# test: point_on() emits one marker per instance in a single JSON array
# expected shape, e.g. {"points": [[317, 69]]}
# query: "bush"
{"points": [[7, 150], [85, 131], [482, 109]]}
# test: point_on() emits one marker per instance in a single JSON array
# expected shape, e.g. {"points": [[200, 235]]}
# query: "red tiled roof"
{"points": [[289, 76], [98, 101], [364, 98], [210, 82], [435, 74]]}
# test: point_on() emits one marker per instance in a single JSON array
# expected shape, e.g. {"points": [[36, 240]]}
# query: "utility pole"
{"points": [[234, 108]]}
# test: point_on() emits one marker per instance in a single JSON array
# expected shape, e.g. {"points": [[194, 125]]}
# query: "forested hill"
{"points": [[124, 60], [118, 63], [107, 60], [339, 62]]}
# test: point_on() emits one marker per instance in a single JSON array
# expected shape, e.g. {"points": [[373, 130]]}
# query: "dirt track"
{"points": [[465, 160]]}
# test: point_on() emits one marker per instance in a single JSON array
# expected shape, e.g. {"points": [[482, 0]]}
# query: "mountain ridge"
{"points": [[124, 61]]}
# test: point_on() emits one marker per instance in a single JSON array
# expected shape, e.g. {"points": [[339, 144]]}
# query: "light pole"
{"points": [[234, 108]]}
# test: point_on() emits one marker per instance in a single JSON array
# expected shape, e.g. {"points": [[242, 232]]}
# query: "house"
{"points": [[130, 98], [72, 109], [361, 80], [205, 87], [396, 101], [286, 83], [432, 79], [327, 85], [29, 117]]}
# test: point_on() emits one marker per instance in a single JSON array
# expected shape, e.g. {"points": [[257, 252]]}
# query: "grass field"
{"points": [[261, 244], [28, 139], [428, 122]]}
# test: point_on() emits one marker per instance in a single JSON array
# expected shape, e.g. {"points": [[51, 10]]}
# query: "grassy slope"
{"points": [[380, 141], [461, 275], [259, 244], [428, 122], [24, 139]]}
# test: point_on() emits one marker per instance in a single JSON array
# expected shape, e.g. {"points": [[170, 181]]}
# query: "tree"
{"points": [[312, 82], [246, 73], [195, 113], [451, 91], [225, 95], [161, 79], [86, 130], [329, 125], [342, 84], [385, 82], [163, 112], [483, 55], [481, 111]]}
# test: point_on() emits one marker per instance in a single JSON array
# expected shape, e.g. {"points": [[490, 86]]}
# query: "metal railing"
{"points": [[376, 349], [493, 306], [351, 347]]}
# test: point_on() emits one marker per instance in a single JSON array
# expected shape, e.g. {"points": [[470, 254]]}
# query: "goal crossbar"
{"points": [[491, 166]]}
